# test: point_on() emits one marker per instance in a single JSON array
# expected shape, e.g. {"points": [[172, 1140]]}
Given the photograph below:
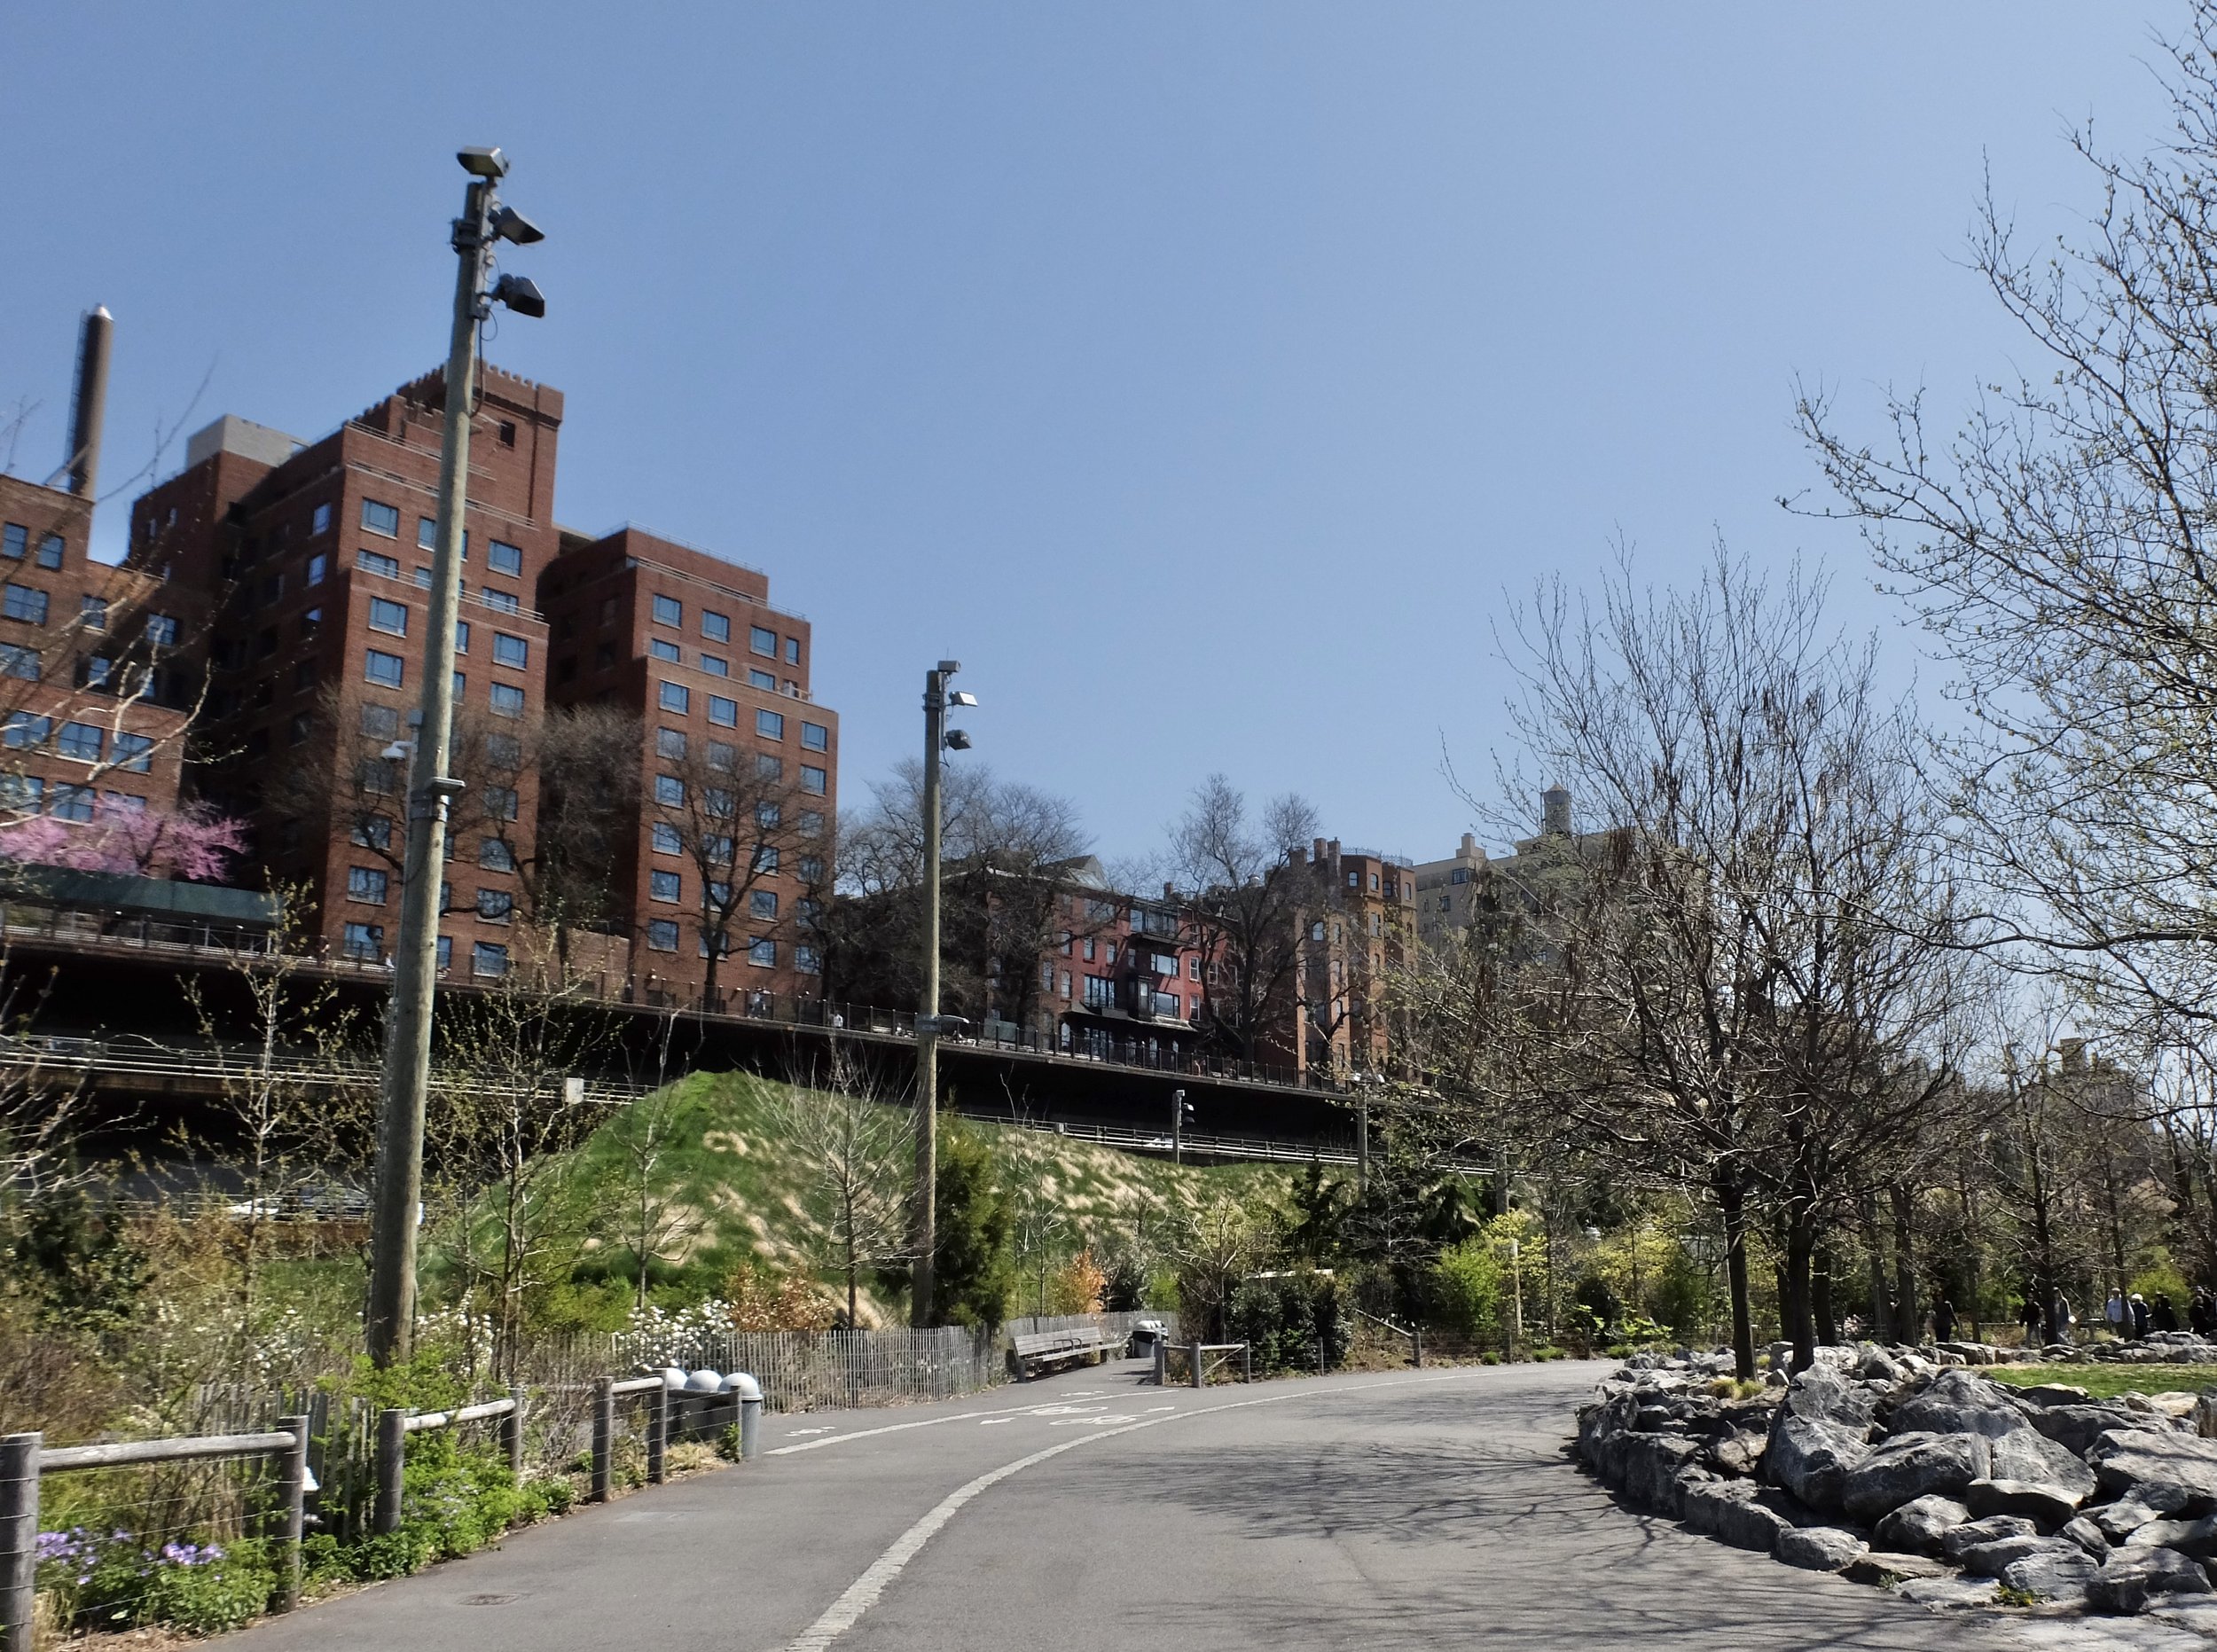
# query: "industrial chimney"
{"points": [[89, 402], [1555, 812]]}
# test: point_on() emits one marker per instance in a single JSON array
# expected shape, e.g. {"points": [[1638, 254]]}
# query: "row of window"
{"points": [[717, 627], [376, 562], [392, 618], [365, 943], [379, 518], [762, 952], [717, 847], [15, 544], [27, 794], [390, 670], [85, 742]]}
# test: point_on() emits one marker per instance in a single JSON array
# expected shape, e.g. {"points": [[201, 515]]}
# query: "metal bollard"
{"points": [[1247, 1362], [750, 1392], [392, 1462], [1416, 1347], [512, 1432], [659, 1407], [18, 1539], [293, 1512], [1162, 1361], [1200, 1374]]}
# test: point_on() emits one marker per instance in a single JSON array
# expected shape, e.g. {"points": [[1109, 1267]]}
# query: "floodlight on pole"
{"points": [[390, 1322], [930, 1025]]}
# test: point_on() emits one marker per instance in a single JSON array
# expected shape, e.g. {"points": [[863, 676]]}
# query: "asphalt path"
{"points": [[1416, 1509]]}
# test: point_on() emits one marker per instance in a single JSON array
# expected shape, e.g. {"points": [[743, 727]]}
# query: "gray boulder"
{"points": [[1916, 1527], [2031, 1457], [2087, 1535], [1956, 1402], [2173, 1472], [2061, 1571], [2196, 1539], [2054, 1394], [1820, 1548], [2048, 1506], [1811, 1459], [2076, 1427], [1820, 1394], [2119, 1520], [1650, 1463], [1737, 1512], [1991, 1559], [1885, 1569], [1740, 1452], [1993, 1529], [1910, 1466], [2131, 1577]]}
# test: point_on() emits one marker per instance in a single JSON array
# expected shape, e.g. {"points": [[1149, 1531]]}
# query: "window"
{"points": [[380, 722], [815, 737], [807, 960], [426, 533], [49, 551], [662, 648], [506, 601], [1089, 949], [377, 562], [511, 650], [1460, 874], [665, 886], [25, 602], [499, 801], [763, 954], [502, 558], [380, 518], [92, 613], [666, 838], [762, 679], [488, 958], [762, 904], [762, 640], [15, 542], [811, 870], [661, 934], [1354, 880], [1373, 883], [770, 724], [668, 611], [765, 859], [385, 669], [318, 567], [22, 730], [1100, 992], [97, 669], [722, 712], [793, 651], [494, 854], [603, 656], [83, 741], [811, 823], [715, 667], [767, 815], [373, 831], [19, 662], [507, 700], [446, 954], [388, 616], [715, 627], [1316, 930], [723, 756], [715, 849], [669, 791], [670, 743], [319, 520], [813, 781], [675, 697], [365, 942], [495, 905], [366, 884], [717, 801], [504, 752], [1193, 967], [718, 897]]}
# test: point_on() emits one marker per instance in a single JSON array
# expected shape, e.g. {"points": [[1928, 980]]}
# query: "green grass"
{"points": [[2106, 1382], [742, 1186]]}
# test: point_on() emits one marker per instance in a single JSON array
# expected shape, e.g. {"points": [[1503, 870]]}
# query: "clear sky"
{"points": [[1202, 376]]}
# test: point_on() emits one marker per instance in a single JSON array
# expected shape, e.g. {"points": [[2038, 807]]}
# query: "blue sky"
{"points": [[1204, 376]]}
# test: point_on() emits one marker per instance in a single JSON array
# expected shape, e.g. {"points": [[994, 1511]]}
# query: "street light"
{"points": [[389, 1323], [1181, 1115], [930, 1025]]}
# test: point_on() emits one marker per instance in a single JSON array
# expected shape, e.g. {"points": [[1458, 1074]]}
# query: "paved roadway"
{"points": [[1421, 1509]]}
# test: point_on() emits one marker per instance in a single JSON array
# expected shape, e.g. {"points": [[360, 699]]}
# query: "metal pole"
{"points": [[658, 1435], [1247, 1362], [293, 1516], [927, 1214], [1416, 1347], [603, 1438], [1362, 1146], [1200, 1375], [18, 1539], [512, 1432], [392, 1305], [1162, 1361], [1177, 1127], [392, 1461]]}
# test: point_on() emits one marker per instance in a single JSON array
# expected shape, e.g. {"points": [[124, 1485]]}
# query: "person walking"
{"points": [[2113, 1310], [2139, 1306], [2162, 1315], [1944, 1322], [2201, 1312]]}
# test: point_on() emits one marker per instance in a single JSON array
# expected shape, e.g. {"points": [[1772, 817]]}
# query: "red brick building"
{"points": [[739, 769]]}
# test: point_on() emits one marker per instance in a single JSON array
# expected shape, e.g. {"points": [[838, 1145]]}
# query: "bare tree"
{"points": [[1246, 889], [856, 1145]]}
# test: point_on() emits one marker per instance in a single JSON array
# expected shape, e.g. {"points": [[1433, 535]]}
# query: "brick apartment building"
{"points": [[316, 561], [1358, 921], [1122, 978]]}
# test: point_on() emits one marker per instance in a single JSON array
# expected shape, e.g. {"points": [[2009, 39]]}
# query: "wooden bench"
{"points": [[1042, 1350]]}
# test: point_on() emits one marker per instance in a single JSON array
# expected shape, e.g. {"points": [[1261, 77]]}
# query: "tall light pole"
{"points": [[389, 1324], [925, 1238]]}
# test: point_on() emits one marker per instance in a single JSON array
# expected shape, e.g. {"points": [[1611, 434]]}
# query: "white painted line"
{"points": [[1036, 1407], [844, 1613]]}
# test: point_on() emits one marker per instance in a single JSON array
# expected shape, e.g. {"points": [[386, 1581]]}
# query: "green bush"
{"points": [[1466, 1289], [213, 1595], [1283, 1320]]}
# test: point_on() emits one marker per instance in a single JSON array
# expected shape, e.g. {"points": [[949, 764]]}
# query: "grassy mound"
{"points": [[2104, 1382]]}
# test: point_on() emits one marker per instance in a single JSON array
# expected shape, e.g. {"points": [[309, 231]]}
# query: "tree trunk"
{"points": [[1820, 1297], [1909, 1322], [1732, 1205], [1874, 1253], [1801, 1247]]}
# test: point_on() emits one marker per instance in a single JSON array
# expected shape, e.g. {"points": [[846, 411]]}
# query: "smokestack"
{"points": [[89, 402], [1555, 812]]}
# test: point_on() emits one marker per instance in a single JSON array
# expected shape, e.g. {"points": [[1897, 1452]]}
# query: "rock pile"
{"points": [[1890, 1467]]}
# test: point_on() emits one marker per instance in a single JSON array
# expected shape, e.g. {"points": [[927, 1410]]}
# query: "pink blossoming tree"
{"points": [[193, 842]]}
